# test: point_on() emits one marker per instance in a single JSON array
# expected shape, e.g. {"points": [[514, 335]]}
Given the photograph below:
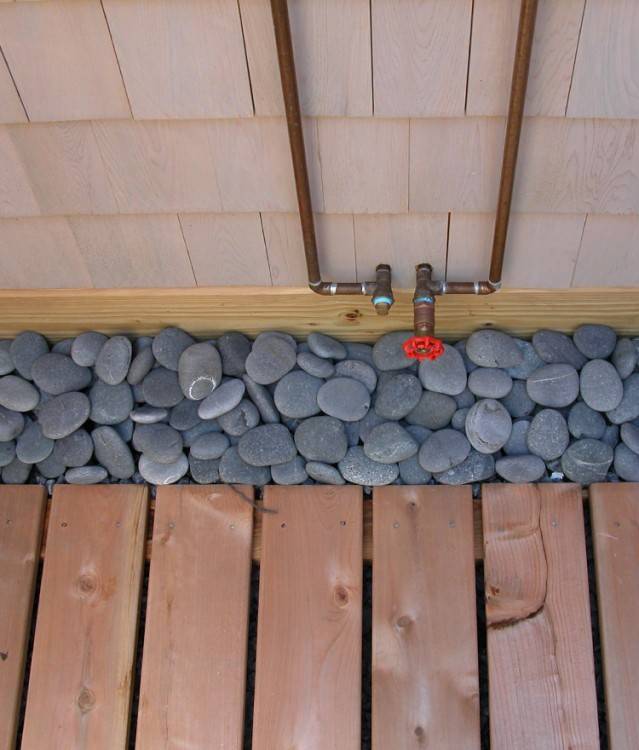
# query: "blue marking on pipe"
{"points": [[427, 298], [377, 300]]}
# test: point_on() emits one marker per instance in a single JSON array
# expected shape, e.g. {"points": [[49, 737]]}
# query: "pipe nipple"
{"points": [[382, 298]]}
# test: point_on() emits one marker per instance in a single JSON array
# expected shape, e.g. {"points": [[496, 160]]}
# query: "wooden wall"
{"points": [[142, 141]]}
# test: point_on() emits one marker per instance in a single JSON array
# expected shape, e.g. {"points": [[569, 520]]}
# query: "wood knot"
{"points": [[404, 621], [86, 700], [341, 596], [87, 584], [353, 315]]}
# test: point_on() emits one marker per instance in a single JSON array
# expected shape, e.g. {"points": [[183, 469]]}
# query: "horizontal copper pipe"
{"points": [[344, 287]]}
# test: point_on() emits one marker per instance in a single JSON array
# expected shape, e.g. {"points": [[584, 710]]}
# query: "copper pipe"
{"points": [[286, 60], [423, 301], [521, 68]]}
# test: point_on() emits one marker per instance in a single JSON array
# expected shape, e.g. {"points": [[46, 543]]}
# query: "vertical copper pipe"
{"points": [[284, 43], [521, 67]]}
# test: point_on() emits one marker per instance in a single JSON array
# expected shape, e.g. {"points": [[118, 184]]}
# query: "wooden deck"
{"points": [[187, 662]]}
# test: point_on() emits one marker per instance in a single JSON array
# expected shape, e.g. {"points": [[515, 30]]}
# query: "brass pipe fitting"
{"points": [[383, 294]]}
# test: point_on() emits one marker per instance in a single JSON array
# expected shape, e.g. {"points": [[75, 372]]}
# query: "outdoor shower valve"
{"points": [[423, 347]]}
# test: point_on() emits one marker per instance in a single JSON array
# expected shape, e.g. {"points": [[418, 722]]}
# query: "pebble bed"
{"points": [[172, 409]]}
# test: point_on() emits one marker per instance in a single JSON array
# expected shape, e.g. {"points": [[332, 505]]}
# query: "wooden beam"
{"points": [[210, 311]]}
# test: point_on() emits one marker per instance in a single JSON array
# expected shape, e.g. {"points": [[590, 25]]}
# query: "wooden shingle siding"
{"points": [[364, 165], [609, 252], [420, 57], [332, 42], [542, 249], [169, 111], [228, 248], [11, 109], [181, 60], [62, 60], [493, 49], [606, 79]]}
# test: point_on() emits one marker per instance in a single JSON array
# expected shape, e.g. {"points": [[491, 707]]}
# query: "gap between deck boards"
{"points": [[257, 530]]}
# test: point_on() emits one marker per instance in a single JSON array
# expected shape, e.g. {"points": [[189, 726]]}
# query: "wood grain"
{"points": [[159, 166], [565, 165], [81, 670], [194, 667], [540, 658], [133, 251], [11, 109], [420, 57], [261, 56], [493, 49], [210, 311], [578, 166], [17, 197], [403, 241], [94, 251], [62, 60], [609, 252], [425, 675], [541, 250], [21, 516], [336, 246], [332, 45], [615, 525], [308, 671], [454, 164], [285, 247], [367, 544], [41, 252], [364, 165], [181, 60], [52, 169], [226, 249], [357, 165], [606, 79], [198, 166]]}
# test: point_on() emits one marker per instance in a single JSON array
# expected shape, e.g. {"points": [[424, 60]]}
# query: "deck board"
{"points": [[21, 519], [194, 665], [615, 530], [308, 671], [81, 673], [540, 656], [425, 671]]}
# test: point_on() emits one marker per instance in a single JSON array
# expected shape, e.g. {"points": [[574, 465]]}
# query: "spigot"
{"points": [[383, 294], [423, 344]]}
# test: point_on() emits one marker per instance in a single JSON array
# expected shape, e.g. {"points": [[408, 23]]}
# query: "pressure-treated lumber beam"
{"points": [[210, 311]]}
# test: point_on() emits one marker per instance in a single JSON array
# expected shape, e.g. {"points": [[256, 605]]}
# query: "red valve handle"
{"points": [[423, 347]]}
